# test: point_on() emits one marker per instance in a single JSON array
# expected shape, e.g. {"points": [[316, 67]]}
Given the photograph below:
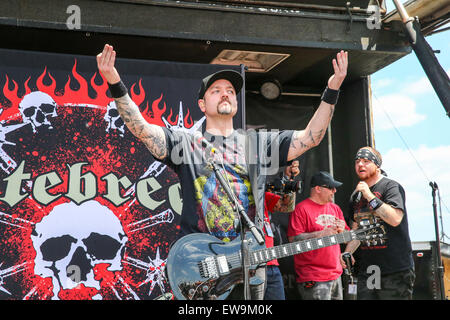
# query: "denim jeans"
{"points": [[274, 284]]}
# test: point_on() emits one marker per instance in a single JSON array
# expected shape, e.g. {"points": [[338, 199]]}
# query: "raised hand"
{"points": [[151, 135], [105, 64], [340, 65]]}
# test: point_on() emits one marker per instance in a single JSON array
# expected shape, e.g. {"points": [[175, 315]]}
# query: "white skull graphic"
{"points": [[72, 239], [112, 117], [37, 108]]}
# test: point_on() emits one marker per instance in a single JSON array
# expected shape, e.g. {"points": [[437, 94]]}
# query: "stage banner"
{"points": [[85, 210]]}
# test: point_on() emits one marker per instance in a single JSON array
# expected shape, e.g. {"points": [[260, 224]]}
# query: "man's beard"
{"points": [[368, 175], [224, 109]]}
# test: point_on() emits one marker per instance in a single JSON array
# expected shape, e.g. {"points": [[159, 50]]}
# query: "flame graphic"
{"points": [[12, 111], [9, 110], [68, 96], [153, 115]]}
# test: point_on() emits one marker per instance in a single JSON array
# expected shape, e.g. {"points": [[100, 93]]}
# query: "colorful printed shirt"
{"points": [[206, 207]]}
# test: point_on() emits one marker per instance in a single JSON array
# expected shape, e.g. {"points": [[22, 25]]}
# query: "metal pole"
{"points": [[434, 71], [402, 11], [439, 268]]}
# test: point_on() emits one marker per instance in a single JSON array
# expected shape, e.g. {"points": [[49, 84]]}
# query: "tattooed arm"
{"points": [[316, 234], [306, 139], [314, 132], [392, 216], [151, 135]]}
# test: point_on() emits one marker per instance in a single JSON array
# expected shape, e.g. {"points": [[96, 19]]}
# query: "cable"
{"points": [[417, 162], [403, 140]]}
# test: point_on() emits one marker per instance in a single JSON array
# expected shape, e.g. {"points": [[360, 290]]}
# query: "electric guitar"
{"points": [[202, 267]]}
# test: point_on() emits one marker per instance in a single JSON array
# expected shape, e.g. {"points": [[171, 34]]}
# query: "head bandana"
{"points": [[369, 155]]}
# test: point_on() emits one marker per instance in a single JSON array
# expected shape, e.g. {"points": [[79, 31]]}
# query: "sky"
{"points": [[412, 132]]}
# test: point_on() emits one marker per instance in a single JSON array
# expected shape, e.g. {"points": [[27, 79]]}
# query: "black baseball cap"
{"points": [[233, 76], [324, 179]]}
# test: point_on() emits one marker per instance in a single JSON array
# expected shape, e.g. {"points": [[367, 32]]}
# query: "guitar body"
{"points": [[196, 270], [202, 267]]}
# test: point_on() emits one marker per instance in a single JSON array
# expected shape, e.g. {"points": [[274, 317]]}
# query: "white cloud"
{"points": [[395, 110], [421, 86], [382, 83], [434, 163], [418, 87], [399, 107]]}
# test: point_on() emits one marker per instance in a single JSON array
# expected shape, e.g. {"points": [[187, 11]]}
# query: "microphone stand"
{"points": [[439, 268], [244, 221]]}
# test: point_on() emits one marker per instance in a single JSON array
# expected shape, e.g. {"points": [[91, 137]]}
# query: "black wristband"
{"points": [[375, 203], [117, 89], [330, 96]]}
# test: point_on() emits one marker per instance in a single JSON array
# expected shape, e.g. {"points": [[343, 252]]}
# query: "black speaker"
{"points": [[427, 284]]}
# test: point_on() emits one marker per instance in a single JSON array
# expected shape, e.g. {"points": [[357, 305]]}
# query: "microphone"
{"points": [[201, 140], [358, 196]]}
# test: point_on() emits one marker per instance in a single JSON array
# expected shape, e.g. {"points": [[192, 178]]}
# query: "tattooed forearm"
{"points": [[390, 215], [151, 135], [311, 137], [331, 111], [155, 141], [352, 246], [300, 237], [382, 213], [305, 236], [317, 137], [297, 143], [304, 140]]}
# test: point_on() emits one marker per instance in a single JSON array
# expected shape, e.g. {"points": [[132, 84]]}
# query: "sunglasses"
{"points": [[328, 187]]}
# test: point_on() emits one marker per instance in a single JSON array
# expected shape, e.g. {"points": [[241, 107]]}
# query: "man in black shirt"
{"points": [[385, 268], [243, 155]]}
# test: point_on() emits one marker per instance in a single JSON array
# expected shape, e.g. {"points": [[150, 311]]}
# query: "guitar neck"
{"points": [[286, 250]]}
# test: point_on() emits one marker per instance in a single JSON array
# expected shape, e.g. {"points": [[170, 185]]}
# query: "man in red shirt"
{"points": [[318, 272]]}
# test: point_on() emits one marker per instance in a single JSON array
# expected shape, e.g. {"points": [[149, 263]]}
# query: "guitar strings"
{"points": [[290, 248]]}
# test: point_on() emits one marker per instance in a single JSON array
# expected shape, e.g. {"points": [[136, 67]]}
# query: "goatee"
{"points": [[368, 175], [224, 109]]}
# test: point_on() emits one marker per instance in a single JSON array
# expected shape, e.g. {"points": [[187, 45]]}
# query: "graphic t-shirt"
{"points": [[322, 264], [206, 206], [395, 253]]}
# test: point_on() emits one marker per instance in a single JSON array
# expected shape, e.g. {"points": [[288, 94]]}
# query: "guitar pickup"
{"points": [[208, 269], [223, 265], [212, 267]]}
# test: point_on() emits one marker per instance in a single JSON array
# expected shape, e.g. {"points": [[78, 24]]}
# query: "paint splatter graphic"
{"points": [[85, 211]]}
